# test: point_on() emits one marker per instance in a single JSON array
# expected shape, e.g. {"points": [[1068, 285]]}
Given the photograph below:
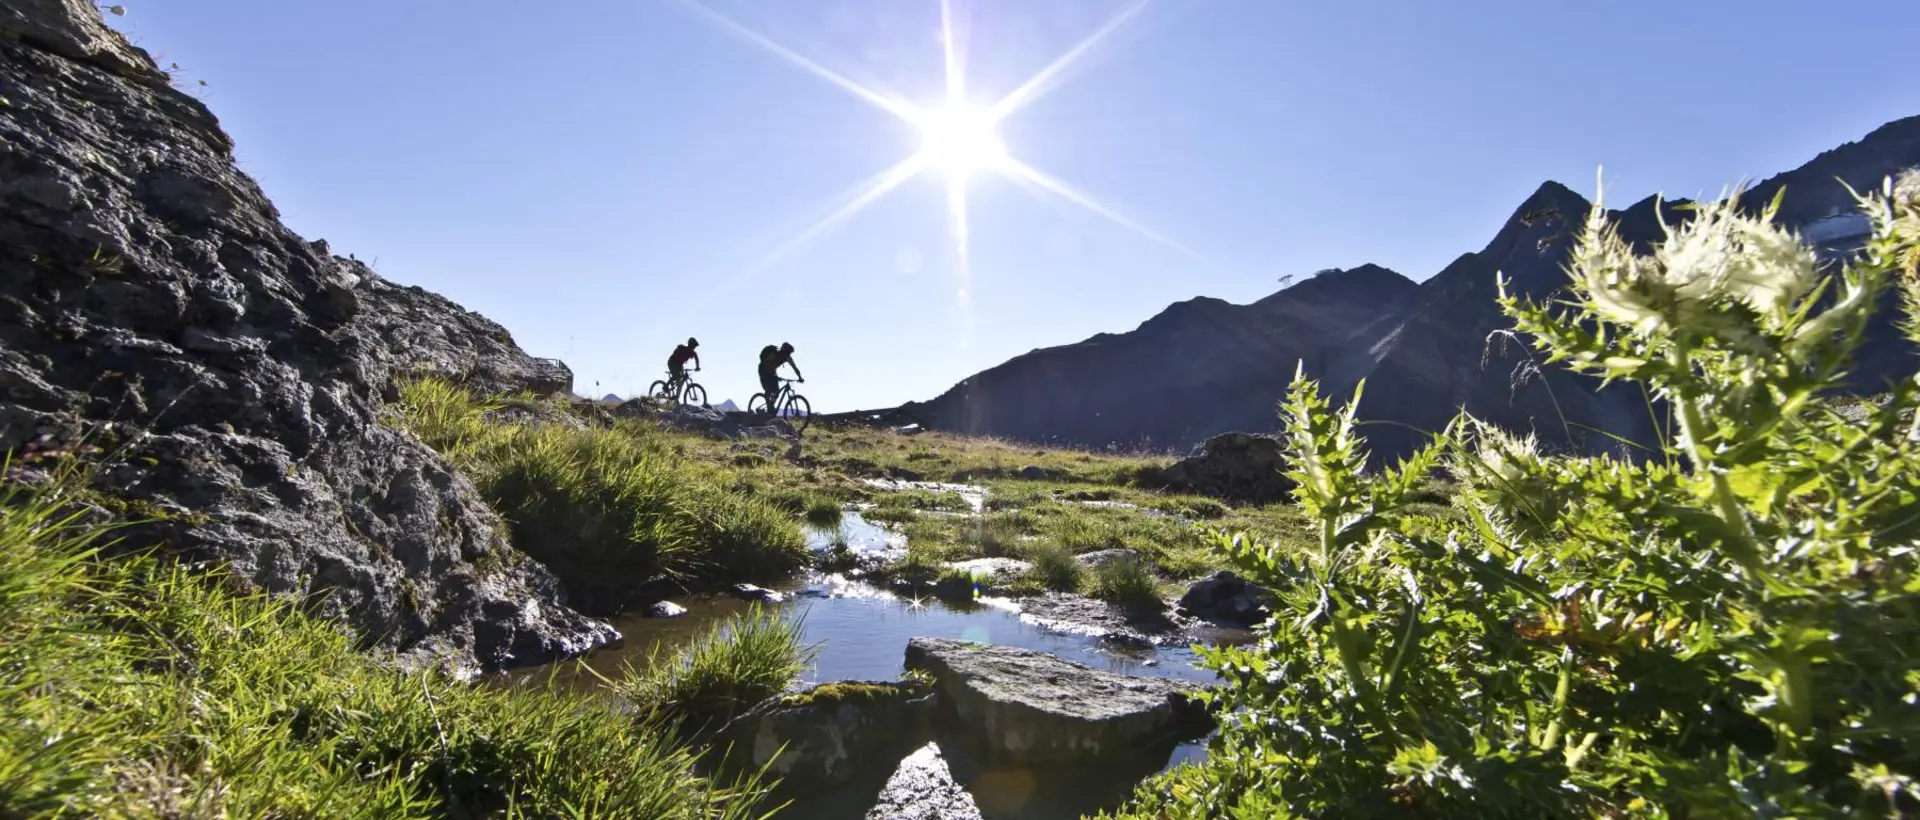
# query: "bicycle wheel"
{"points": [[659, 390], [799, 412], [758, 404], [694, 394]]}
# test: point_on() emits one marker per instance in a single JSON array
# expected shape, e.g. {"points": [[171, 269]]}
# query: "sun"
{"points": [[960, 139]]}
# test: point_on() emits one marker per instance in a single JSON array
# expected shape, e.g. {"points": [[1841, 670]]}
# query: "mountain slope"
{"points": [[1204, 366], [1200, 366]]}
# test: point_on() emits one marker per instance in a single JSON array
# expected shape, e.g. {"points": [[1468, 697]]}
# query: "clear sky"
{"points": [[607, 177]]}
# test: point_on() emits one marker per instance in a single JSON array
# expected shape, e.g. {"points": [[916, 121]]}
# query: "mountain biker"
{"points": [[677, 363], [770, 360]]}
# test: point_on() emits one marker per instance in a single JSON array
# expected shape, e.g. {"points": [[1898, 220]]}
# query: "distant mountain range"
{"points": [[727, 407], [1206, 366]]}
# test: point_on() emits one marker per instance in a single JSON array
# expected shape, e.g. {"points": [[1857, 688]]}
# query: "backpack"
{"points": [[768, 355]]}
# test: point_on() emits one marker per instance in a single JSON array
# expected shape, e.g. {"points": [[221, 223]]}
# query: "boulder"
{"points": [[1033, 473], [1032, 707], [992, 571], [1233, 466], [706, 421], [823, 736], [923, 788], [1227, 599], [665, 609], [234, 374], [749, 592]]}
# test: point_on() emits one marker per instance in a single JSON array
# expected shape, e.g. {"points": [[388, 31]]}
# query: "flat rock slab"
{"points": [[825, 735], [1032, 707], [923, 788]]}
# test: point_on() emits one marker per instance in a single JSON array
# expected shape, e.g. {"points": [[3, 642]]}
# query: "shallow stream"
{"points": [[860, 632]]}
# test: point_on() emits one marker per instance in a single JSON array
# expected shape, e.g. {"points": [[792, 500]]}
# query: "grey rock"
{"points": [[1226, 598], [923, 788], [706, 421], [665, 609], [1032, 707], [1233, 466], [749, 592], [993, 571], [826, 735], [152, 302]]}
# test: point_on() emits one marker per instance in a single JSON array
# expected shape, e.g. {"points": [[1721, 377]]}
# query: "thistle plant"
{"points": [[1729, 628]]}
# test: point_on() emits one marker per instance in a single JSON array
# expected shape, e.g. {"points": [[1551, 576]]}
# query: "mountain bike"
{"points": [[792, 406], [680, 389]]}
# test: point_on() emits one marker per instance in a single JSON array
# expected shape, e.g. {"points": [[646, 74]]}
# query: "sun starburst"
{"points": [[958, 138]]}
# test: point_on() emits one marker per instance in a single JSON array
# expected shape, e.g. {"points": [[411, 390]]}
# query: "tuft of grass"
{"points": [[823, 512], [1129, 584], [1054, 566], [727, 669], [134, 688]]}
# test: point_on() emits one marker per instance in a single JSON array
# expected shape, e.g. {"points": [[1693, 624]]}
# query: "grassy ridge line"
{"points": [[129, 688]]}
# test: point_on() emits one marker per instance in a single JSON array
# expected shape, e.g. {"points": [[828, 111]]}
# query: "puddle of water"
{"points": [[861, 536], [861, 633], [974, 494]]}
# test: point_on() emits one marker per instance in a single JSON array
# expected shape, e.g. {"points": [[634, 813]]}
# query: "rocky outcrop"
{"points": [[1231, 466], [1227, 599], [826, 735], [706, 421], [233, 373], [1032, 707], [1425, 351], [923, 788]]}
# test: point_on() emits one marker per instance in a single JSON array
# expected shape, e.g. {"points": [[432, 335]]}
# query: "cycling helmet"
{"points": [[692, 342], [786, 347]]}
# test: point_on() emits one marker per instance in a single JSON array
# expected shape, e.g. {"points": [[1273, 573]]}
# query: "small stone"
{"points": [[665, 609]]}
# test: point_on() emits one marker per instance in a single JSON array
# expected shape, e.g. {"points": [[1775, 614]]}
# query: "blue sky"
{"points": [[607, 177]]}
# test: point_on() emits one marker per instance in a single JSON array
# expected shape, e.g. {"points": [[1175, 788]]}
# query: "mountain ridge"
{"points": [[1426, 350]]}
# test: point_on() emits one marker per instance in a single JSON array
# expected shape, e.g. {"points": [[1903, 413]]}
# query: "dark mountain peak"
{"points": [[1369, 282]]}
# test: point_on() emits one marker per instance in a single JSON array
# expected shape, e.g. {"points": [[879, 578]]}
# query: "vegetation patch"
{"points": [[1722, 628], [605, 508], [1130, 584], [133, 688], [727, 669]]}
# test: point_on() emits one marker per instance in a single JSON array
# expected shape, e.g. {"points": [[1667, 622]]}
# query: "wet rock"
{"points": [[1233, 466], [1075, 614], [1032, 707], [1226, 598], [829, 732], [151, 298], [665, 609], [749, 592], [923, 788], [1101, 558], [993, 571]]}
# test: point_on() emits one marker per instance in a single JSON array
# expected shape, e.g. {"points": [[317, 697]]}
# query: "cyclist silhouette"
{"points": [[771, 358], [677, 363]]}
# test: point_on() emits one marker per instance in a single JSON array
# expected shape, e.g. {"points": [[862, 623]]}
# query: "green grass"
{"points": [[1055, 568], [724, 671], [607, 508], [131, 688], [1129, 584]]}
